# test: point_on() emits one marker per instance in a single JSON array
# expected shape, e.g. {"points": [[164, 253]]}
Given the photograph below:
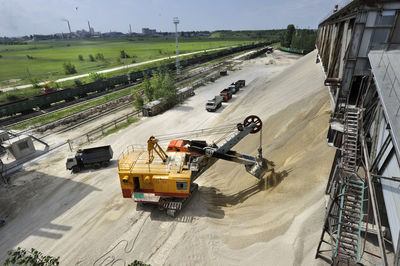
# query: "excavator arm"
{"points": [[152, 145], [256, 166]]}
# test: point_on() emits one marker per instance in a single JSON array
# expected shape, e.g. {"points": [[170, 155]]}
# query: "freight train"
{"points": [[42, 101]]}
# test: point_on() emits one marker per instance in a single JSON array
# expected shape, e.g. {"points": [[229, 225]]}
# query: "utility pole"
{"points": [[176, 22]]}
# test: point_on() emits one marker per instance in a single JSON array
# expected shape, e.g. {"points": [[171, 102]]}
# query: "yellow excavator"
{"points": [[167, 179]]}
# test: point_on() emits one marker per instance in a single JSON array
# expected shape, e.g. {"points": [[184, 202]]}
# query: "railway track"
{"points": [[15, 120]]}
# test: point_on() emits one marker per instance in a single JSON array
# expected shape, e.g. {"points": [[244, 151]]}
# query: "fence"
{"points": [[103, 129]]}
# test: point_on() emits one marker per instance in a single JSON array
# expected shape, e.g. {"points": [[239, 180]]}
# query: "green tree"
{"points": [[163, 86], [148, 89], [123, 54], [80, 57], [288, 36], [91, 58], [69, 68], [169, 90], [100, 56], [33, 257], [138, 103], [156, 82]]}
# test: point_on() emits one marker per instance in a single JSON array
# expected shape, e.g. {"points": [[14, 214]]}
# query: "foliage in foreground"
{"points": [[138, 263], [21, 256]]}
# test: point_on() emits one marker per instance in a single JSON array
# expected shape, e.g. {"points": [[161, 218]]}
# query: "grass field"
{"points": [[49, 56]]}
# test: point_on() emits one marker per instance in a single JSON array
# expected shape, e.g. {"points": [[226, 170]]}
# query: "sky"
{"points": [[26, 17]]}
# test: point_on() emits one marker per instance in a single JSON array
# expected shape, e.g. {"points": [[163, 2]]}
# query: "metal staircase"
{"points": [[348, 244], [348, 197], [350, 140]]}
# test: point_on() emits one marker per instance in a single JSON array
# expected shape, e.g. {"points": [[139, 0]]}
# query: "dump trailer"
{"points": [[234, 88], [241, 83], [214, 104], [226, 94], [166, 178], [92, 157]]}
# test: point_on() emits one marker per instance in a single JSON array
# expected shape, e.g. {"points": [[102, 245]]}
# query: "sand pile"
{"points": [[233, 219], [277, 220]]}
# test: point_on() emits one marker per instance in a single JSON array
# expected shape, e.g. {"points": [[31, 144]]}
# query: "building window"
{"points": [[380, 37], [386, 18], [181, 185], [23, 145], [395, 35]]}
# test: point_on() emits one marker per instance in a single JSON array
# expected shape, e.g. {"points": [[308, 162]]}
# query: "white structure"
{"points": [[19, 147], [176, 22]]}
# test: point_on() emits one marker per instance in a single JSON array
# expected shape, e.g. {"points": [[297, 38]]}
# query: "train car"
{"points": [[154, 108], [185, 92]]}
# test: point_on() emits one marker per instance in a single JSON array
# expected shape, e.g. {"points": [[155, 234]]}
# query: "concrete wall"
{"points": [[20, 147]]}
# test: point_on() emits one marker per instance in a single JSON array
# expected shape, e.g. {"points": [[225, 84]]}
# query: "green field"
{"points": [[49, 56]]}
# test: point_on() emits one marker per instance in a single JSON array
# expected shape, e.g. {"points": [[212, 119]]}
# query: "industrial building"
{"points": [[358, 46], [148, 32]]}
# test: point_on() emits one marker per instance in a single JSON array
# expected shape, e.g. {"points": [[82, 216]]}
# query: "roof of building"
{"points": [[385, 67]]}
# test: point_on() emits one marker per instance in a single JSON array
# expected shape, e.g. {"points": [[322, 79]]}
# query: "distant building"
{"points": [[148, 32], [112, 34]]}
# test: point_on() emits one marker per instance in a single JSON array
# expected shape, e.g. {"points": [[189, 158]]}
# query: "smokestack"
{"points": [[130, 29], [69, 27], [89, 28]]}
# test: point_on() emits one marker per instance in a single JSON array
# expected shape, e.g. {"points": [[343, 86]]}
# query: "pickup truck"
{"points": [[92, 157], [226, 94], [214, 104]]}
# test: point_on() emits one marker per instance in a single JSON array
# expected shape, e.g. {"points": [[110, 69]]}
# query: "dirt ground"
{"points": [[233, 219]]}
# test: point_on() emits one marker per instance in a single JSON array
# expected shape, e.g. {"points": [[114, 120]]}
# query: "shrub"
{"points": [[99, 56], [91, 58], [80, 57], [78, 82], [138, 263], [34, 82], [29, 57], [123, 54], [96, 76], [22, 256], [138, 103], [11, 97], [69, 68]]}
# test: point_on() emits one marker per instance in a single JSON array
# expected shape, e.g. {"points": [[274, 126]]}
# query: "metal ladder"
{"points": [[350, 140], [348, 244]]}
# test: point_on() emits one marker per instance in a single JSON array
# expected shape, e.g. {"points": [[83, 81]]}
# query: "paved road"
{"points": [[109, 70]]}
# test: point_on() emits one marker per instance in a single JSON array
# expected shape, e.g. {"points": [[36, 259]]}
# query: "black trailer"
{"points": [[92, 157]]}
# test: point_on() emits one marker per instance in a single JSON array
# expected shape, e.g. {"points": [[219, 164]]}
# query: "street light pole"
{"points": [[176, 22]]}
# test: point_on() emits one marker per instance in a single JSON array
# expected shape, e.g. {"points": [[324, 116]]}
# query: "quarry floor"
{"points": [[233, 219]]}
